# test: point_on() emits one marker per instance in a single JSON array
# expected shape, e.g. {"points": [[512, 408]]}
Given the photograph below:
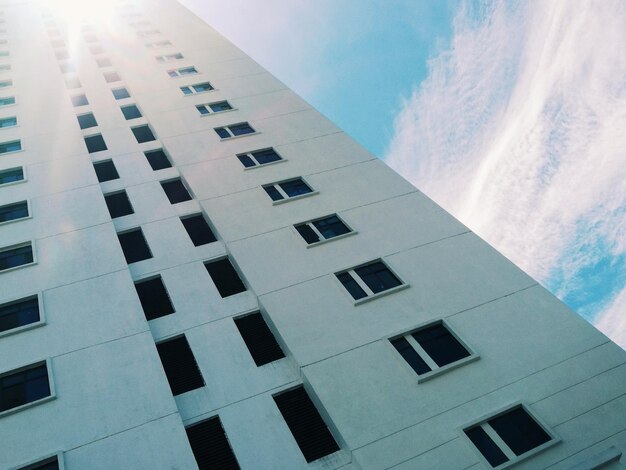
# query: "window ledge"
{"points": [[27, 405], [381, 294], [528, 454], [299, 196], [7, 222], [338, 237], [448, 367], [213, 113], [4, 185], [11, 152], [21, 329], [18, 267], [225, 139], [246, 168]]}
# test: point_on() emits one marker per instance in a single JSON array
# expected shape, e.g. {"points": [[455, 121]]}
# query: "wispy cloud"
{"points": [[520, 131]]}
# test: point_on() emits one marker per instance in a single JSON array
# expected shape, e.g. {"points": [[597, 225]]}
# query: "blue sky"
{"points": [[510, 115]]}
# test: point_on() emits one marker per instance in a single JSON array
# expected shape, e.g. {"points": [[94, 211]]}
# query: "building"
{"points": [[198, 269]]}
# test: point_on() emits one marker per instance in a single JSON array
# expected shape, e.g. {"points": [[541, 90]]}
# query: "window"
{"points": [[15, 211], [259, 339], [19, 313], [169, 57], [51, 463], [151, 45], [112, 77], [151, 32], [67, 68], [368, 280], [79, 100], [322, 229], [8, 122], [234, 130], [14, 256], [225, 277], [259, 157], [5, 67], [120, 93], [13, 146], [134, 246], [104, 62], [180, 365], [197, 88], [212, 108], [95, 50], [430, 348], [118, 204], [305, 423], [6, 83], [11, 175], [85, 121], [508, 436], [143, 134], [7, 101], [62, 55], [154, 298], [181, 72], [131, 112], [210, 445], [23, 386], [287, 189], [158, 159], [175, 191], [139, 23], [72, 83], [4, 53], [95, 143], [105, 171], [198, 229]]}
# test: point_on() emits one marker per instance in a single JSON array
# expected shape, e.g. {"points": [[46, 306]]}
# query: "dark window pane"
{"points": [[79, 100], [351, 285], [202, 109], [210, 446], [120, 93], [95, 143], [118, 204], [19, 313], [157, 159], [331, 227], [19, 210], [86, 121], [273, 193], [241, 129], [7, 101], [180, 365], [198, 230], [222, 132], [186, 90], [131, 112], [143, 134], [175, 191], [440, 345], [306, 424], [266, 156], [51, 463], [259, 339], [486, 446], [225, 277], [8, 122], [410, 355], [187, 71], [307, 233], [13, 257], [134, 246], [295, 187], [26, 386], [154, 299], [105, 171], [519, 431], [246, 160], [377, 277], [221, 106], [13, 146], [11, 175], [200, 87]]}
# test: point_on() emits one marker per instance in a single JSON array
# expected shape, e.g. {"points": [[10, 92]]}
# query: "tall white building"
{"points": [[197, 269]]}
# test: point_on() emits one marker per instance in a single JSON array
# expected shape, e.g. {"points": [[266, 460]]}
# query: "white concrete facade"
{"points": [[111, 406]]}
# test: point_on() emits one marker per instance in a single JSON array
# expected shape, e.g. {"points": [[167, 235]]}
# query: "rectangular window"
{"points": [[197, 88], [169, 57], [67, 68], [118, 204], [12, 146], [180, 365], [131, 112], [95, 143], [104, 62], [110, 77], [175, 191], [120, 93], [287, 189], [14, 256], [368, 280], [143, 134], [259, 339], [151, 32], [105, 171], [11, 175], [134, 246], [85, 121], [198, 229], [234, 130], [210, 445], [15, 211], [259, 157], [51, 463], [8, 122], [225, 278], [72, 83], [182, 71], [5, 67], [305, 423], [79, 100], [154, 298], [23, 386], [158, 159], [151, 45], [212, 108], [7, 101], [6, 83], [508, 436], [19, 313], [322, 229]]}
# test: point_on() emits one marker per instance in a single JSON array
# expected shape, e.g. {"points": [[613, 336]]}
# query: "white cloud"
{"points": [[519, 131]]}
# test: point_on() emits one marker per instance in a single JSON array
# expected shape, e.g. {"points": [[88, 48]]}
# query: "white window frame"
{"points": [[233, 136], [318, 233], [23, 180], [17, 123], [207, 106], [370, 294], [28, 207], [20, 245], [9, 84], [178, 73], [148, 33], [193, 90], [30, 326], [156, 44], [41, 401], [11, 152], [4, 106], [286, 197], [5, 68], [259, 165], [170, 57]]}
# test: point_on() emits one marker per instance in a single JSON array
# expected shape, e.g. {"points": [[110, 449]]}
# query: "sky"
{"points": [[510, 115]]}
